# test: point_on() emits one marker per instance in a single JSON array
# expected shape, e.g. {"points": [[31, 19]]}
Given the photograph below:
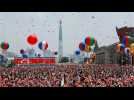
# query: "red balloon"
{"points": [[82, 46], [95, 42], [45, 45], [87, 40], [4, 45], [32, 39]]}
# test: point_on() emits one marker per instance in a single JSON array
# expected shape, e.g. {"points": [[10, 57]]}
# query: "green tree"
{"points": [[64, 60]]}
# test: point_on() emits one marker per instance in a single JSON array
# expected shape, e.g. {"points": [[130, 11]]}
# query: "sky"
{"points": [[16, 26]]}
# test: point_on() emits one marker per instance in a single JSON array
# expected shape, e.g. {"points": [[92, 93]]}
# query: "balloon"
{"points": [[127, 50], [126, 41], [40, 45], [22, 51], [32, 39], [87, 40], [56, 53], [95, 42], [82, 46], [119, 47], [92, 41], [43, 45], [132, 51], [122, 46], [87, 48], [112, 33], [77, 52], [4, 45], [132, 48], [119, 34]]}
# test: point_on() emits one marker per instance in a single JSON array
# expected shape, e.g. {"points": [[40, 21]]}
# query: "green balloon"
{"points": [[92, 41], [4, 45]]}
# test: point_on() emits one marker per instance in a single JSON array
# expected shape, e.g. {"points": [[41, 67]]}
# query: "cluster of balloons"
{"points": [[87, 45], [126, 45], [42, 45], [33, 39]]}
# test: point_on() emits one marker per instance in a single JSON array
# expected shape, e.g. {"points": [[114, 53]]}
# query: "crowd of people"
{"points": [[69, 75]]}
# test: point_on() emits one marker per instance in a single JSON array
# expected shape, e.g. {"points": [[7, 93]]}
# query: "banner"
{"points": [[35, 60]]}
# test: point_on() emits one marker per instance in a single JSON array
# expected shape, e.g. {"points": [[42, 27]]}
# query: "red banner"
{"points": [[35, 60]]}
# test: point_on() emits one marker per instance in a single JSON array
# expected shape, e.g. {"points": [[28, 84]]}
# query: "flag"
{"points": [[113, 34]]}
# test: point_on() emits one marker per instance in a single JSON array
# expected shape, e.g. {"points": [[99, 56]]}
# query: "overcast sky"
{"points": [[16, 26]]}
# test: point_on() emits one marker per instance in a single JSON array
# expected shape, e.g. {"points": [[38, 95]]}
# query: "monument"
{"points": [[60, 44]]}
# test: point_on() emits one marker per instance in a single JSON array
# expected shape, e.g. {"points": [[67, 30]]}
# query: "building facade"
{"points": [[108, 54]]}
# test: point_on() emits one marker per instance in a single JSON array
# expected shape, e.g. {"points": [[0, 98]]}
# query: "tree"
{"points": [[64, 60]]}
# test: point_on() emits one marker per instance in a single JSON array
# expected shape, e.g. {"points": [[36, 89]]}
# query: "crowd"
{"points": [[68, 76]]}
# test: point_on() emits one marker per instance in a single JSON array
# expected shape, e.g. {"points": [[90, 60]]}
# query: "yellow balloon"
{"points": [[132, 49], [132, 46], [118, 47], [87, 49], [132, 52]]}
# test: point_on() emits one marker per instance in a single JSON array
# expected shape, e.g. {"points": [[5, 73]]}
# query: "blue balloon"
{"points": [[83, 40], [122, 46], [83, 45], [56, 53], [40, 45], [77, 52], [124, 40]]}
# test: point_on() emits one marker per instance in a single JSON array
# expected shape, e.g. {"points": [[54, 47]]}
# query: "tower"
{"points": [[60, 47]]}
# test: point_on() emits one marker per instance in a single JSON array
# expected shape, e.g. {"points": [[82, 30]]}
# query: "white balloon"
{"points": [[126, 49], [44, 43]]}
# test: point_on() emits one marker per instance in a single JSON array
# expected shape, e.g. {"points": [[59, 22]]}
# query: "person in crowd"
{"points": [[68, 76]]}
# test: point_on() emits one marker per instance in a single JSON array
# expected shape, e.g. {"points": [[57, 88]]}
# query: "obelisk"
{"points": [[60, 45]]}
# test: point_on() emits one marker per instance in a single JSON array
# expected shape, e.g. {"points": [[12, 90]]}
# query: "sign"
{"points": [[51, 60]]}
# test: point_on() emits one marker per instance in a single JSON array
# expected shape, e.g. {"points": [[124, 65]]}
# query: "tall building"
{"points": [[60, 45]]}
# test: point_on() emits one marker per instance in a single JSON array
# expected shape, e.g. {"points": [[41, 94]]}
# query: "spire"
{"points": [[60, 22], [60, 31], [60, 45]]}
